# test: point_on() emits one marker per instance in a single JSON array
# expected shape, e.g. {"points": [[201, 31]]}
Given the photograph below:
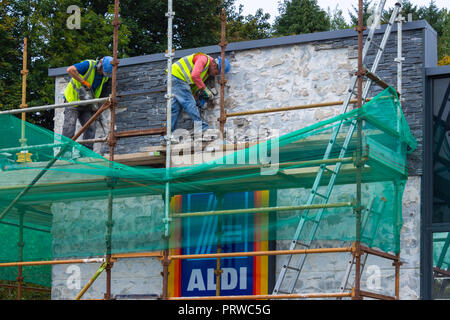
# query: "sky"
{"points": [[271, 6]]}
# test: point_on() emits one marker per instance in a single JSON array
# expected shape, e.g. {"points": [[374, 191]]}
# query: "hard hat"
{"points": [[227, 64], [107, 66]]}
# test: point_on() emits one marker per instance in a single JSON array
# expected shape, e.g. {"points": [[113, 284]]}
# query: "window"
{"points": [[435, 223]]}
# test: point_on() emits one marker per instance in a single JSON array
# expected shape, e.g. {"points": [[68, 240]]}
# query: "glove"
{"points": [[86, 84], [205, 94]]}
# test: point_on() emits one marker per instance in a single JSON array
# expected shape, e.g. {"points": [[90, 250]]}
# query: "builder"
{"points": [[188, 80], [88, 78]]}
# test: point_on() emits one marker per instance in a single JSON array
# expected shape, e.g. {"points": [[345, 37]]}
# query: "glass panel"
{"points": [[441, 150], [441, 265]]}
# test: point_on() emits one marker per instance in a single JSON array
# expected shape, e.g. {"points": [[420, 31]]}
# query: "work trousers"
{"points": [[83, 114], [184, 100]]}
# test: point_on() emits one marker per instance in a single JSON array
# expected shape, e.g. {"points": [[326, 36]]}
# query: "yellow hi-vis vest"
{"points": [[71, 94], [182, 68]]}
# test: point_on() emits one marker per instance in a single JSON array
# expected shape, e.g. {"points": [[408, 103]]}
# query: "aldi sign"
{"points": [[238, 233]]}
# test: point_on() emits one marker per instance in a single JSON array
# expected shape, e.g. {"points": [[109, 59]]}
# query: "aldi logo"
{"points": [[236, 233]]}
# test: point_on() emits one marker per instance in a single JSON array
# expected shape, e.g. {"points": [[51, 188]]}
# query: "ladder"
{"points": [[324, 197]]}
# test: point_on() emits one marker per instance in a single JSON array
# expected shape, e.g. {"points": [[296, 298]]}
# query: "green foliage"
{"points": [[439, 19], [300, 16], [444, 38], [250, 27], [9, 59], [368, 10], [197, 23], [337, 19]]}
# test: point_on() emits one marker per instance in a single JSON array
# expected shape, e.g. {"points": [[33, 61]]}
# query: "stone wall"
{"points": [[290, 73]]}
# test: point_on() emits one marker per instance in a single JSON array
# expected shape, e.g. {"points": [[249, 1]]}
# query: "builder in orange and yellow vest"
{"points": [[188, 79]]}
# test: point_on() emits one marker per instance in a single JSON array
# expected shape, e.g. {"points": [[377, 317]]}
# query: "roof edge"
{"points": [[255, 44], [437, 71]]}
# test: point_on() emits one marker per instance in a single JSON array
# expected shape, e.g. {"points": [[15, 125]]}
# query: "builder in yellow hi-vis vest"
{"points": [[88, 79], [188, 76]]}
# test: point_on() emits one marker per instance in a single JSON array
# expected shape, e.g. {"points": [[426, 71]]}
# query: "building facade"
{"points": [[280, 72]]}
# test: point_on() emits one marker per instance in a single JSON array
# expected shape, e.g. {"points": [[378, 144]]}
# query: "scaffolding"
{"points": [[357, 250]]}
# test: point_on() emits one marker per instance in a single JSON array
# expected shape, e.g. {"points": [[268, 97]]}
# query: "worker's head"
{"points": [[105, 67], [227, 64], [216, 65]]}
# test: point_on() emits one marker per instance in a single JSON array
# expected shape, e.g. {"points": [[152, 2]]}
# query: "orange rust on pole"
{"points": [[260, 253], [112, 141], [91, 120], [373, 295], [397, 263], [138, 133], [357, 254], [356, 295], [137, 255], [24, 73], [46, 263], [20, 244], [19, 280], [378, 253], [11, 286], [300, 107], [268, 296], [441, 271], [165, 261], [222, 81], [181, 257], [219, 270]]}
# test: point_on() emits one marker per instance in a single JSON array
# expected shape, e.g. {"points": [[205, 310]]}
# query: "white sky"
{"points": [[271, 6]]}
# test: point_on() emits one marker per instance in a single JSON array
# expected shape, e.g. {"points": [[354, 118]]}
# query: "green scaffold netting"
{"points": [[62, 194]]}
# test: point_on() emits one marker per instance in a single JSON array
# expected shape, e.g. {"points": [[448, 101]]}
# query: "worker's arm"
{"points": [[200, 62], [73, 72]]}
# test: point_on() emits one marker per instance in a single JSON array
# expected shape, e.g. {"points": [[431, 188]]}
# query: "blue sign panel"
{"points": [[198, 275]]}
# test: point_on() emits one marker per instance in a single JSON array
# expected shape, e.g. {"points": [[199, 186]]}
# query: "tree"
{"points": [[250, 27], [434, 16], [337, 19], [52, 44], [368, 10], [300, 16], [9, 60], [444, 40]]}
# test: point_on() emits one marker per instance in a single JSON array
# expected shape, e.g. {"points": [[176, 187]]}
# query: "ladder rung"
{"points": [[377, 45], [329, 170], [293, 268], [298, 243], [283, 292], [340, 146], [319, 194]]}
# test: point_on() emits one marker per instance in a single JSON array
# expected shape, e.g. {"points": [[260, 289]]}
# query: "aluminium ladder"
{"points": [[297, 268]]}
